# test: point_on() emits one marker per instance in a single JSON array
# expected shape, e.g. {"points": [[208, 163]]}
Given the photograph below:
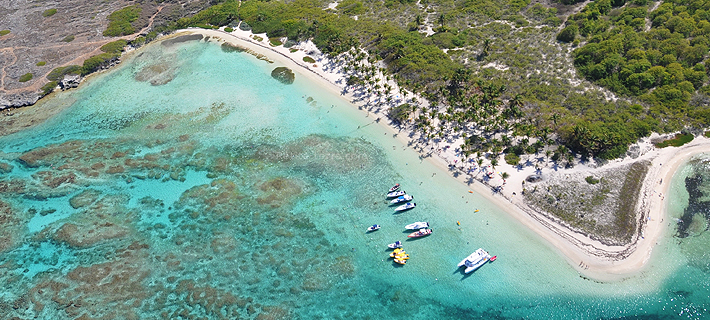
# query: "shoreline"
{"points": [[589, 257]]}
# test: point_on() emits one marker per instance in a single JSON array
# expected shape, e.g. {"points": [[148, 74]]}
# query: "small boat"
{"points": [[400, 261], [417, 225], [396, 252], [373, 227], [395, 194], [475, 260], [395, 245], [403, 198], [405, 207], [402, 256], [493, 258], [420, 233], [396, 186]]}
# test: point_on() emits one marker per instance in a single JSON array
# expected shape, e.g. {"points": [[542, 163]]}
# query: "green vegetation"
{"points": [[94, 63], [275, 41], [25, 77], [308, 59], [228, 29], [115, 47], [662, 66], [48, 88], [41, 63], [120, 21], [49, 12], [68, 38], [679, 140], [4, 32], [512, 159], [59, 73], [591, 180], [401, 113]]}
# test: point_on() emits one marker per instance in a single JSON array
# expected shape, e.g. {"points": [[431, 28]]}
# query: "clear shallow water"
{"points": [[225, 194]]}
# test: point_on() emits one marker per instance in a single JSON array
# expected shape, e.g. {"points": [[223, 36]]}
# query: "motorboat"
{"points": [[395, 245], [417, 225], [394, 188], [373, 227], [475, 260], [405, 207], [404, 198], [420, 233], [395, 194], [493, 258], [400, 261]]}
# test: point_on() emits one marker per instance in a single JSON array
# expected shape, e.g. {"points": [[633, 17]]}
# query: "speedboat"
{"points": [[405, 206], [373, 227], [475, 260], [417, 225], [403, 198], [420, 233], [400, 261], [396, 186], [395, 194], [395, 245]]}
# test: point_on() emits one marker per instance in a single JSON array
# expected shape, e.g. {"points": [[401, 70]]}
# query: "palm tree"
{"points": [[442, 20], [505, 175]]}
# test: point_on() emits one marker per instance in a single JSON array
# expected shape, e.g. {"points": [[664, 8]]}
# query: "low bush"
{"points": [[59, 73], [48, 88], [4, 32], [49, 12], [94, 63], [591, 180], [41, 63], [309, 59], [25, 77], [228, 29], [114, 47], [679, 140], [120, 21], [275, 42], [512, 159], [68, 38]]}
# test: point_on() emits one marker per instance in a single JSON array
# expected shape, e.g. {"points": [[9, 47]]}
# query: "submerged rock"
{"points": [[180, 39], [283, 74]]}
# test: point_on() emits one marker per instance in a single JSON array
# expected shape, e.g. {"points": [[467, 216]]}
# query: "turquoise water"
{"points": [[226, 194]]}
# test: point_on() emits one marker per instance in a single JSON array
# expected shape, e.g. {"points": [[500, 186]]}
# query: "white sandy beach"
{"points": [[592, 258]]}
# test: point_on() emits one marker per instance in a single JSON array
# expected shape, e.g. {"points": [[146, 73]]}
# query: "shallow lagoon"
{"points": [[223, 193]]}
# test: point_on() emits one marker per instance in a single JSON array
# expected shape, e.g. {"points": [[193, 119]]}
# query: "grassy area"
{"points": [[120, 21], [41, 63], [68, 38], [25, 77], [4, 32], [308, 59], [679, 140], [49, 12]]}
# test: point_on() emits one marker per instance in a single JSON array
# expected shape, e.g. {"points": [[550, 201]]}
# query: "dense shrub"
{"points": [[94, 63], [120, 21], [25, 77], [114, 47], [679, 140], [49, 12], [59, 72], [49, 87]]}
